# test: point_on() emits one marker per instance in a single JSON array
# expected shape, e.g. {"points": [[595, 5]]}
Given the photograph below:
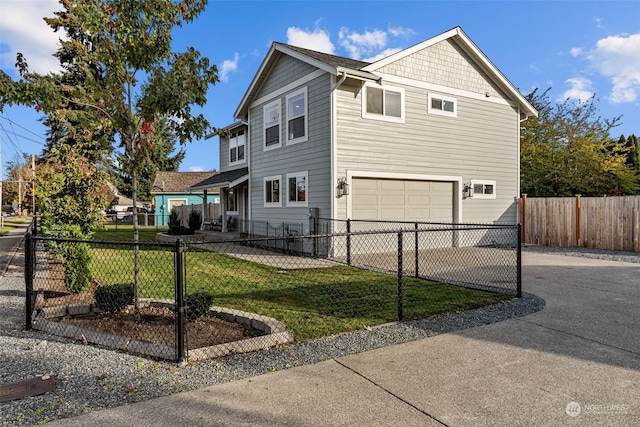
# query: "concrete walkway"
{"points": [[577, 362]]}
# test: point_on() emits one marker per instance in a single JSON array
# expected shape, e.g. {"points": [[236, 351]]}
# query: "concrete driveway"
{"points": [[576, 362]]}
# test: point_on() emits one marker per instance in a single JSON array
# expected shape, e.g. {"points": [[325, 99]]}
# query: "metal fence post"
{"points": [[180, 308], [519, 263], [416, 251], [400, 310], [28, 280], [348, 242]]}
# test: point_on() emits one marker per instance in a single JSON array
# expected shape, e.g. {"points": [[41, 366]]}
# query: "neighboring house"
{"points": [[430, 133], [171, 189], [123, 204]]}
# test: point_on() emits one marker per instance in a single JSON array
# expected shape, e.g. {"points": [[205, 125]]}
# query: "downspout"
{"points": [[334, 153]]}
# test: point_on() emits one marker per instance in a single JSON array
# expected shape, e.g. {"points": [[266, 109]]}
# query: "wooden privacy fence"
{"points": [[213, 211], [592, 222]]}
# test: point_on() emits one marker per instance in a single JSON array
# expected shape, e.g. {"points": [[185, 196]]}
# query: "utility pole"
{"points": [[33, 185]]}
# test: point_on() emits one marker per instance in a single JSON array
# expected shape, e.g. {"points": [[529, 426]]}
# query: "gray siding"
{"points": [[480, 143], [285, 71], [224, 154], [313, 155], [444, 64]]}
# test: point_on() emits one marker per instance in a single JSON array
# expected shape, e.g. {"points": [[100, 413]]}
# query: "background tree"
{"points": [[18, 169], [162, 156], [132, 78], [567, 150]]}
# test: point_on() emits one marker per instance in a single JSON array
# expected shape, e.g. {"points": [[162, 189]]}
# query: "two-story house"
{"points": [[430, 133]]}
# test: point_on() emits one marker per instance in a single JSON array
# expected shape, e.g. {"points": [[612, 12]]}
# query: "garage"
{"points": [[402, 200]]}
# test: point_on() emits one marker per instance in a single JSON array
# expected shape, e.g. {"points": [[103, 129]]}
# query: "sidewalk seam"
{"points": [[392, 393]]}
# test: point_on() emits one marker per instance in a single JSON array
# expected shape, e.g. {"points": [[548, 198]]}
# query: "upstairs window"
{"points": [[272, 125], [237, 144], [272, 191], [383, 103], [445, 106], [297, 117], [297, 189]]}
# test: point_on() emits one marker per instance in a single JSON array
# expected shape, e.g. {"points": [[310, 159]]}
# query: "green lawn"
{"points": [[124, 232], [311, 302], [10, 223]]}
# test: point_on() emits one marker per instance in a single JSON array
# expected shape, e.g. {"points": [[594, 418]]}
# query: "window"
{"points": [[297, 189], [483, 189], [383, 103], [297, 117], [231, 201], [272, 191], [236, 147], [445, 106], [272, 125]]}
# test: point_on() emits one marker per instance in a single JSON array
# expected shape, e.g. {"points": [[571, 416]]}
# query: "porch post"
{"points": [[223, 208], [205, 212]]}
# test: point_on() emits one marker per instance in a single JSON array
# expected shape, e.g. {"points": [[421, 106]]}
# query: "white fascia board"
{"points": [[476, 54], [255, 80], [411, 50], [304, 58], [277, 47]]}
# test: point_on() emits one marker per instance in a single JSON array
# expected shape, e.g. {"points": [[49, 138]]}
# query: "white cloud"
{"points": [[618, 58], [576, 51], [401, 32], [580, 90], [383, 54], [22, 29], [228, 66], [196, 169], [361, 44], [317, 39]]}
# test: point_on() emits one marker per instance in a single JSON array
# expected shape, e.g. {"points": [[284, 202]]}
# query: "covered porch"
{"points": [[234, 201]]}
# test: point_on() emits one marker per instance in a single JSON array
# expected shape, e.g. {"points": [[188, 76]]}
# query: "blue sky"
{"points": [[576, 48]]}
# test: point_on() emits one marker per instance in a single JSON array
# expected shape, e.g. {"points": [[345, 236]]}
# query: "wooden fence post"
{"points": [[524, 216], [578, 239]]}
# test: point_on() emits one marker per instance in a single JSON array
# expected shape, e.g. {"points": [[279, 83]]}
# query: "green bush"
{"points": [[174, 220], [175, 228], [198, 304], [195, 219], [113, 298], [75, 259]]}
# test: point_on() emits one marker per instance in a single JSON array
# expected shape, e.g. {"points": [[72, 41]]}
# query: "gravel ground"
{"points": [[89, 378]]}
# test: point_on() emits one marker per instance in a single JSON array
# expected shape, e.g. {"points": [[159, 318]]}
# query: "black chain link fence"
{"points": [[217, 297]]}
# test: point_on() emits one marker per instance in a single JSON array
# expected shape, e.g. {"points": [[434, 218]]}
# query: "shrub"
{"points": [[175, 228], [75, 260], [113, 298], [198, 304], [195, 219]]}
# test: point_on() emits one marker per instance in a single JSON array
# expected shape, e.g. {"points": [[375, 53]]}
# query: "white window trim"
{"points": [[306, 116], [244, 160], [481, 195], [264, 125], [235, 202], [264, 191], [305, 174], [431, 110], [172, 203], [383, 117]]}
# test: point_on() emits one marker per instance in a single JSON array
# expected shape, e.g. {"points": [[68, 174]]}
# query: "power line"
{"points": [[27, 129]]}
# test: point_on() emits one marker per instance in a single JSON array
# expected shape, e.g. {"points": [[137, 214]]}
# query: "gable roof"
{"points": [[335, 65], [177, 182], [461, 39], [332, 64]]}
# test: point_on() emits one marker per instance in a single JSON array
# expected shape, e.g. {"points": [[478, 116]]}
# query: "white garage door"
{"points": [[403, 200]]}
